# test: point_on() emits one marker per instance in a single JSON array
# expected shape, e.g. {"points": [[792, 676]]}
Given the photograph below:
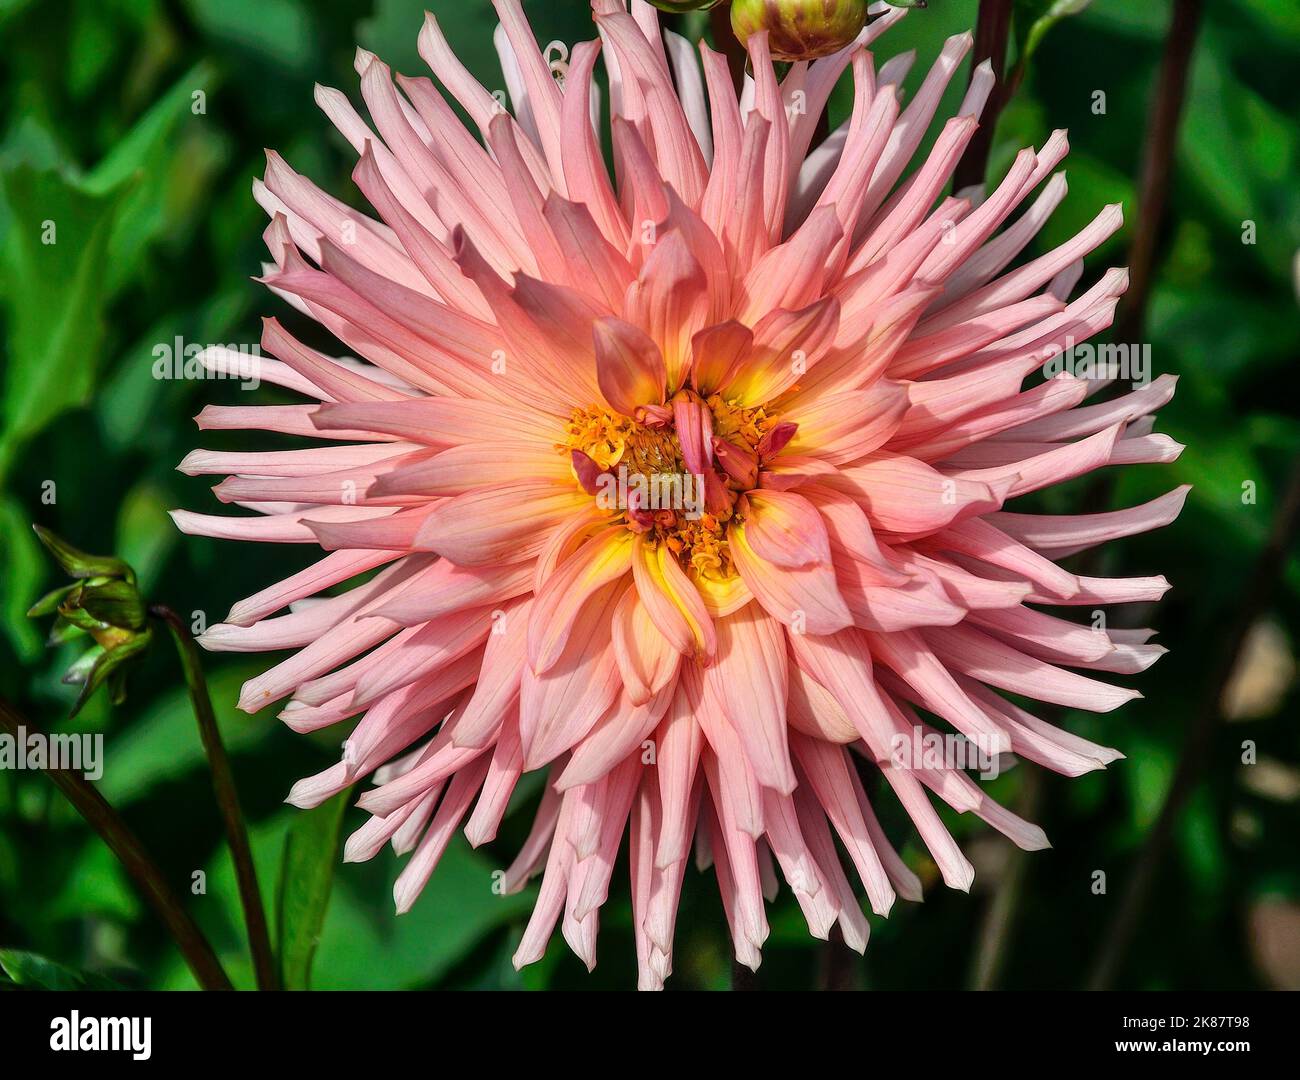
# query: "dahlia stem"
{"points": [[135, 859], [1268, 570], [727, 43], [836, 963], [992, 28], [223, 785], [1157, 158], [742, 978]]}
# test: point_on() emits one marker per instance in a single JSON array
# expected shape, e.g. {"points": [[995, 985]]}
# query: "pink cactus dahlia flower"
{"points": [[686, 485]]}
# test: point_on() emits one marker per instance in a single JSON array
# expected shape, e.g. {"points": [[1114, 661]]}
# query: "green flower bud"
{"points": [[116, 603], [800, 29], [103, 604]]}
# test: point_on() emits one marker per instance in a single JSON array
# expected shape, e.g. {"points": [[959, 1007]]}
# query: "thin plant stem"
{"points": [[726, 42], [992, 27], [1157, 164], [223, 785], [742, 978], [837, 964], [992, 30], [135, 859]]}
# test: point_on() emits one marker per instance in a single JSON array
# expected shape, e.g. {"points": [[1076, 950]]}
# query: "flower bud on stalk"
{"points": [[102, 603], [800, 29]]}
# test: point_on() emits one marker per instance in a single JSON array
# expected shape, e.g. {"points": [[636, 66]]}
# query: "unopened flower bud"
{"points": [[800, 29], [103, 604]]}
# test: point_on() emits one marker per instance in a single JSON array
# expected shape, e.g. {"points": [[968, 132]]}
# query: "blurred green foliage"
{"points": [[135, 127]]}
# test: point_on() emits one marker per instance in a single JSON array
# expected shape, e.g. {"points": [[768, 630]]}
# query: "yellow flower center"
{"points": [[738, 424], [640, 457]]}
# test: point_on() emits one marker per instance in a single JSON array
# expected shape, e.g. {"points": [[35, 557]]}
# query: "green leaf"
{"points": [[164, 745], [131, 393], [283, 32], [1277, 18], [1034, 18], [1201, 842], [1149, 773], [68, 245], [142, 160], [29, 969], [145, 534], [1243, 153], [20, 555], [10, 8], [311, 852], [92, 48], [363, 944], [94, 885], [53, 284], [393, 31]]}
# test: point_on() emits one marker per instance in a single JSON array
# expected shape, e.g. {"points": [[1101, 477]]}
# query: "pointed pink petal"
{"points": [[785, 529], [605, 558], [629, 366], [805, 599], [750, 680]]}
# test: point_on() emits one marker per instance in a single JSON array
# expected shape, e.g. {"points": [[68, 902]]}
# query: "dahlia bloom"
{"points": [[686, 485]]}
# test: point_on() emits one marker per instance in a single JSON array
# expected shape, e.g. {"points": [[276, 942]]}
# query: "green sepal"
{"points": [[114, 602], [82, 619], [62, 632], [98, 664], [49, 603], [78, 564]]}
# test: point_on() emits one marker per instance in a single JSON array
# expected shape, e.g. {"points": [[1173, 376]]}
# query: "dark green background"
{"points": [[159, 236]]}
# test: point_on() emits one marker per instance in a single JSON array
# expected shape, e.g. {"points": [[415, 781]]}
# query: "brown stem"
{"points": [[223, 785], [1263, 584], [726, 42], [137, 862], [742, 978], [1157, 161], [992, 28], [837, 964]]}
